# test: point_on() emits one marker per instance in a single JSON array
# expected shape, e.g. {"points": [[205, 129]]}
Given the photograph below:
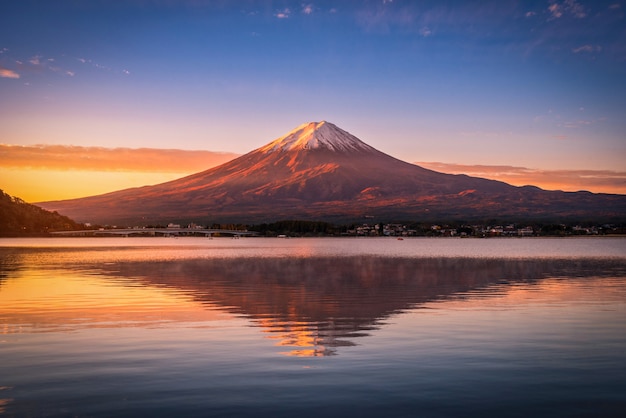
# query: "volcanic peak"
{"points": [[317, 135]]}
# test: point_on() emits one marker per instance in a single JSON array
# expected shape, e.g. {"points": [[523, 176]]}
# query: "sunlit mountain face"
{"points": [[319, 171]]}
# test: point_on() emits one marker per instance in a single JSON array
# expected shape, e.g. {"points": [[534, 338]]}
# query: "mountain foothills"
{"points": [[18, 218], [321, 172]]}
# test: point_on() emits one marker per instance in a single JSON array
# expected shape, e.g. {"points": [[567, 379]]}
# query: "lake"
{"points": [[312, 327]]}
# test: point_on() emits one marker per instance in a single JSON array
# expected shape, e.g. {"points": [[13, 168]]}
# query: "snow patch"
{"points": [[317, 135]]}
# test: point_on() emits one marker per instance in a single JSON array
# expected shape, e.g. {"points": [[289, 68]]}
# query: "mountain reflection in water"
{"points": [[313, 305], [309, 328]]}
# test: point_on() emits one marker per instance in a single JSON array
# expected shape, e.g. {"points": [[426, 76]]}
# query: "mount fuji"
{"points": [[321, 172]]}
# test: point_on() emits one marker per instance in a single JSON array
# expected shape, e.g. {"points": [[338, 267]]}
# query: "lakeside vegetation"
{"points": [[21, 219]]}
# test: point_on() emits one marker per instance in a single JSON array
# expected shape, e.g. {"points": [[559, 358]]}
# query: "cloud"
{"points": [[68, 157], [283, 14], [98, 66], [556, 10], [6, 73], [383, 18], [39, 64], [587, 48], [597, 181], [426, 32], [576, 9], [575, 124], [307, 9], [567, 7]]}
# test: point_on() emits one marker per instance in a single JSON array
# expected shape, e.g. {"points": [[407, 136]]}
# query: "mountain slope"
{"points": [[18, 218], [318, 171]]}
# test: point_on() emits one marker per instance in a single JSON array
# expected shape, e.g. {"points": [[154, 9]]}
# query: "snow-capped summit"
{"points": [[316, 135]]}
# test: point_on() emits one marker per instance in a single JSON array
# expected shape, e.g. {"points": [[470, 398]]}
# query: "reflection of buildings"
{"points": [[314, 305]]}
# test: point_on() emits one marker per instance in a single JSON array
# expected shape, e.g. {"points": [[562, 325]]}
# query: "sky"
{"points": [[529, 92]]}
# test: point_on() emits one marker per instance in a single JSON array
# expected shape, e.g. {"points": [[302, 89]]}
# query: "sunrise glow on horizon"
{"points": [[99, 96], [74, 172]]}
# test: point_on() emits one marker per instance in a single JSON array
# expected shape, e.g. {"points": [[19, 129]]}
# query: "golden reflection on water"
{"points": [[302, 336], [308, 305], [4, 401], [40, 301]]}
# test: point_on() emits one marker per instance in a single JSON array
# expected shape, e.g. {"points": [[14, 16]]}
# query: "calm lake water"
{"points": [[253, 327]]}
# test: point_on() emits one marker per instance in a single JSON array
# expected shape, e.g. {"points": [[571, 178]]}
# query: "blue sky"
{"points": [[537, 84]]}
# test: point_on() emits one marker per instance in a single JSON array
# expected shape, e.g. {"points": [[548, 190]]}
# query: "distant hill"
{"points": [[321, 172], [18, 218]]}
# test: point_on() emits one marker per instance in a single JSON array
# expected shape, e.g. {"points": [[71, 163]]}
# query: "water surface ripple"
{"points": [[104, 327]]}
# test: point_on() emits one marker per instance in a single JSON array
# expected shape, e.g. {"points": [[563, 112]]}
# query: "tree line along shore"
{"points": [[21, 219]]}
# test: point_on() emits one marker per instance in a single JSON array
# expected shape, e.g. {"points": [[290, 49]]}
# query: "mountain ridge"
{"points": [[319, 171], [18, 218]]}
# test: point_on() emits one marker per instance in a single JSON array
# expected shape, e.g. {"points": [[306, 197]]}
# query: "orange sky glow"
{"points": [[55, 172]]}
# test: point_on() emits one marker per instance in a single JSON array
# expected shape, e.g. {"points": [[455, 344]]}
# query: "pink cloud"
{"points": [[587, 48], [570, 7], [597, 181], [6, 73], [283, 14]]}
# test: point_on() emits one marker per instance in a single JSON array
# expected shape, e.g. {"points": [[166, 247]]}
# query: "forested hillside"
{"points": [[18, 218]]}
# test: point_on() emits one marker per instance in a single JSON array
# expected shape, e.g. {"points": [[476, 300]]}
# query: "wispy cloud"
{"points": [[66, 157], [579, 123], [307, 9], [93, 64], [386, 15], [62, 65], [556, 10], [597, 181], [283, 14], [40, 64], [6, 73], [567, 8], [587, 48]]}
